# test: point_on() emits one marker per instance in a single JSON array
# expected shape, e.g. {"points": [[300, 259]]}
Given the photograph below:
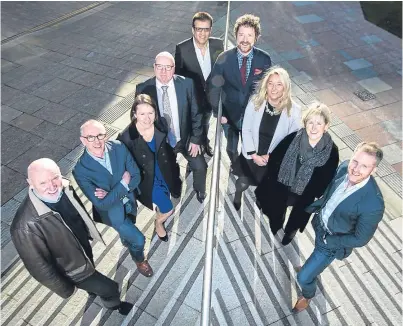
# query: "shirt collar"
{"points": [[356, 186], [98, 158], [196, 47], [158, 84], [240, 55]]}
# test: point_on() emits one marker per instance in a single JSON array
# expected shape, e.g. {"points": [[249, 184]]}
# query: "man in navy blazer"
{"points": [[195, 58], [234, 76], [108, 176], [175, 98], [346, 216]]}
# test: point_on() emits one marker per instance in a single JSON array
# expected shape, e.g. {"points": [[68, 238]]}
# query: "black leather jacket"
{"points": [[48, 248]]}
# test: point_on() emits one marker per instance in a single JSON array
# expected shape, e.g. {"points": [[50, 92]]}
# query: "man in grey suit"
{"points": [[109, 178], [346, 216]]}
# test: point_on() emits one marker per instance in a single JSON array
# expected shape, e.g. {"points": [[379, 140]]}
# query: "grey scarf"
{"points": [[311, 158]]}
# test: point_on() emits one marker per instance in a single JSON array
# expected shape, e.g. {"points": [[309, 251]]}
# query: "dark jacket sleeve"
{"points": [[178, 61], [196, 115], [276, 157], [37, 259], [215, 83]]}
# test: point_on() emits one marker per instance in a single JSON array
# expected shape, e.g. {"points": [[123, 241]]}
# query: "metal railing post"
{"points": [[208, 255]]}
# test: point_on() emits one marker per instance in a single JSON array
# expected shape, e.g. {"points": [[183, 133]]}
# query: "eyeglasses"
{"points": [[166, 67], [201, 29], [92, 138]]}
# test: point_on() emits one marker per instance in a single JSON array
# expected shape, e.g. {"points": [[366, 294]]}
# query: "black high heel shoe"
{"points": [[165, 237]]}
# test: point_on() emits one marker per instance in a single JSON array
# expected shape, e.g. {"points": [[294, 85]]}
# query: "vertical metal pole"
{"points": [[208, 259]]}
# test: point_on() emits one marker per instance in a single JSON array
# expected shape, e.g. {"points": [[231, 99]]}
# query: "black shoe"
{"points": [[201, 196], [176, 196], [164, 238], [132, 217], [237, 205], [124, 308], [288, 236], [91, 295], [209, 151]]}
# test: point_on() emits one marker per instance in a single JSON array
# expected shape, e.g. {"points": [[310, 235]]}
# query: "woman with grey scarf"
{"points": [[299, 170]]}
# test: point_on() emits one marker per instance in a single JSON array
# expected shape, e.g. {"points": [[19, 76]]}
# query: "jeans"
{"points": [[321, 257], [102, 286], [232, 135], [133, 239]]}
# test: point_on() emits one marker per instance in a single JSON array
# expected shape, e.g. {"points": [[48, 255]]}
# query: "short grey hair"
{"points": [[88, 123], [165, 54]]}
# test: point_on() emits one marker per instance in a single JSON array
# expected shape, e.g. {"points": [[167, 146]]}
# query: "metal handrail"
{"points": [[208, 256]]}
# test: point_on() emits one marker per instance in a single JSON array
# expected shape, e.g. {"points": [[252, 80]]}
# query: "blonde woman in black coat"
{"points": [[146, 139], [299, 170]]}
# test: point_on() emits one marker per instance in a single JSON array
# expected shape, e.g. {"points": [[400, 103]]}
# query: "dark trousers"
{"points": [[198, 166], [104, 287], [232, 134]]}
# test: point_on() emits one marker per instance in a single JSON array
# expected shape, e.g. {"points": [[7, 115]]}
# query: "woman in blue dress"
{"points": [[146, 139]]}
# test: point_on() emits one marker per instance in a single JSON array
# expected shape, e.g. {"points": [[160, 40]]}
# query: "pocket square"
{"points": [[257, 72]]}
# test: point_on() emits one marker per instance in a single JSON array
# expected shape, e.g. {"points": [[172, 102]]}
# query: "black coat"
{"points": [[273, 195], [145, 160], [187, 65], [190, 117]]}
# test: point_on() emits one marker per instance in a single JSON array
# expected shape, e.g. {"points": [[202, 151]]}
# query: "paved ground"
{"points": [[88, 66]]}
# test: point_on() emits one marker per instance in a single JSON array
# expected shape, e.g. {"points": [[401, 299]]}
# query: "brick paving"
{"points": [[88, 66]]}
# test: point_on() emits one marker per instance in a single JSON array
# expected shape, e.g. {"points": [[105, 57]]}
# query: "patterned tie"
{"points": [[168, 115], [243, 70]]}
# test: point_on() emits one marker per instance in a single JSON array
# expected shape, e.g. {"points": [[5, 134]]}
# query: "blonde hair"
{"points": [[319, 109], [371, 148], [260, 95]]}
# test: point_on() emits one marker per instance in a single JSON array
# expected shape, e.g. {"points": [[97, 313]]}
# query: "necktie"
{"points": [[168, 115], [243, 70]]}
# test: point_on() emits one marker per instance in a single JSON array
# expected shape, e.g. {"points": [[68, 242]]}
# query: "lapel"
{"points": [[237, 71], [192, 57], [112, 156], [159, 137], [180, 98], [152, 91], [252, 69]]}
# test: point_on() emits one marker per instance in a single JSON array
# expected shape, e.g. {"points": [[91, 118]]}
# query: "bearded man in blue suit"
{"points": [[109, 177]]}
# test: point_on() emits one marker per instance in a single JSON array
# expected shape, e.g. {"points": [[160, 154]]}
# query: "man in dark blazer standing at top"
{"points": [[194, 58], [175, 97], [234, 76]]}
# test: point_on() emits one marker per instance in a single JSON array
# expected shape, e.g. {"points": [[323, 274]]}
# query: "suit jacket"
{"points": [[225, 79], [187, 65], [190, 117], [251, 126], [355, 220], [90, 174]]}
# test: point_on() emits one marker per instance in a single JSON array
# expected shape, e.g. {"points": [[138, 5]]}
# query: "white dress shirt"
{"points": [[173, 101], [204, 61], [341, 193]]}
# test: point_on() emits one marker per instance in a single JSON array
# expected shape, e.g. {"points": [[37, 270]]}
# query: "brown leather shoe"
{"points": [[301, 304], [145, 269]]}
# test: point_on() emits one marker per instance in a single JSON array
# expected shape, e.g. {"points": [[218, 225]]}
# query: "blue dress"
{"points": [[160, 194]]}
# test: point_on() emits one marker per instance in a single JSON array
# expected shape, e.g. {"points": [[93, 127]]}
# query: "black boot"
{"points": [[288, 236], [124, 308]]}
